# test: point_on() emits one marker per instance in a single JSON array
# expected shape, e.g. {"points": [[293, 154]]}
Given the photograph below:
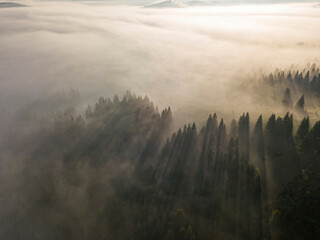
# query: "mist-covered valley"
{"points": [[124, 122]]}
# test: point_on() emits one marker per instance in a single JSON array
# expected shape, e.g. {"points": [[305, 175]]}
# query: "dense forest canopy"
{"points": [[289, 90], [120, 170]]}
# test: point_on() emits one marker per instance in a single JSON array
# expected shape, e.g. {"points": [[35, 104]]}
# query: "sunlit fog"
{"points": [[165, 120], [186, 57]]}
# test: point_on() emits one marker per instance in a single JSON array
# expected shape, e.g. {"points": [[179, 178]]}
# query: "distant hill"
{"points": [[190, 3], [166, 4], [180, 4], [10, 4]]}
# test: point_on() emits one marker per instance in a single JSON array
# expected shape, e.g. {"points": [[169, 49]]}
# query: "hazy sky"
{"points": [[188, 58], [144, 2]]}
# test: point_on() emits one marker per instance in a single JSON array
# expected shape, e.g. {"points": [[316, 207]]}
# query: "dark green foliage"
{"points": [[217, 185], [296, 209], [281, 154], [301, 135], [130, 129], [300, 104], [115, 175], [179, 227], [259, 160], [308, 144]]}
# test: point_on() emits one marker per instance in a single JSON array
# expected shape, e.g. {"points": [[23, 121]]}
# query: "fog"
{"points": [[117, 171], [190, 58]]}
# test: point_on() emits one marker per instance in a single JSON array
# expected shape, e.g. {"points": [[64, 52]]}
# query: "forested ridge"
{"points": [[290, 90], [120, 171]]}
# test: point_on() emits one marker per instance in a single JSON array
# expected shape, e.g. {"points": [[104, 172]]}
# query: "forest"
{"points": [[119, 169]]}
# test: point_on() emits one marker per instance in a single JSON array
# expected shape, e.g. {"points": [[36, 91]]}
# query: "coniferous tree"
{"points": [[310, 145], [299, 107], [301, 135], [287, 101], [296, 208], [244, 136], [258, 158]]}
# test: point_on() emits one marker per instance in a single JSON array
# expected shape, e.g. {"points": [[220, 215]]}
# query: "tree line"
{"points": [[115, 174]]}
